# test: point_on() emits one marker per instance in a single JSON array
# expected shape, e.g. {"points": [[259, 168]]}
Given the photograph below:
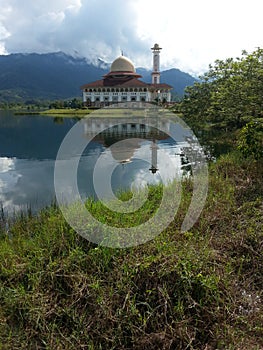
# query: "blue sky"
{"points": [[192, 33]]}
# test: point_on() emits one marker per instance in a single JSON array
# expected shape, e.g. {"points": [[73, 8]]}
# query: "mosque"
{"points": [[122, 85]]}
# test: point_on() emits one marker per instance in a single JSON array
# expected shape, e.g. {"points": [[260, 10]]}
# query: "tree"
{"points": [[75, 103], [250, 140], [230, 92]]}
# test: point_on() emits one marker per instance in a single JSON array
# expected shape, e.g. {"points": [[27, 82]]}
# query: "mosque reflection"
{"points": [[127, 140], [117, 130]]}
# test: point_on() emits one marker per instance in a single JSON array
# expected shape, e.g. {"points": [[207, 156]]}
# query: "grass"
{"points": [[55, 112], [65, 111], [107, 112], [201, 289]]}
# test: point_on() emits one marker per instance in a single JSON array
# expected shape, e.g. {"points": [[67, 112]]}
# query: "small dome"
{"points": [[122, 64], [156, 47]]}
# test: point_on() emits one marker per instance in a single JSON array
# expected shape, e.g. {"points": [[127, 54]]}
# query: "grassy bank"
{"points": [[55, 112], [66, 111], [196, 290]]}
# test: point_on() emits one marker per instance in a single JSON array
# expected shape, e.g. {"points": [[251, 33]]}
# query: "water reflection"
{"points": [[26, 183], [136, 152]]}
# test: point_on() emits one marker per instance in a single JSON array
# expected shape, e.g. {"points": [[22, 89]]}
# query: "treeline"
{"points": [[43, 104], [229, 96]]}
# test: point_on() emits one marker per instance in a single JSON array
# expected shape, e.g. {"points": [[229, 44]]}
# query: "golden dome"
{"points": [[122, 64]]}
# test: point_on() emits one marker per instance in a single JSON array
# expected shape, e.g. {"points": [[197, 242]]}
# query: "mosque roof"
{"points": [[123, 74], [123, 83]]}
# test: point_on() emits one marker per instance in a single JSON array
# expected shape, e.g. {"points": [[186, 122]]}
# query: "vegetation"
{"points": [[36, 105], [250, 140], [74, 104], [230, 92], [57, 107], [29, 105], [229, 97], [65, 111], [200, 289]]}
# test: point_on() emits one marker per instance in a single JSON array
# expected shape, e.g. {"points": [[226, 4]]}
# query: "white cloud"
{"points": [[192, 33], [32, 25], [195, 33]]}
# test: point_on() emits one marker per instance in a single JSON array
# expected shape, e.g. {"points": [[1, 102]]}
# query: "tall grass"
{"points": [[201, 289]]}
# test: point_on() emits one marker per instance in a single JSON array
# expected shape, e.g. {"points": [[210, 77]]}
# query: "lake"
{"points": [[131, 152]]}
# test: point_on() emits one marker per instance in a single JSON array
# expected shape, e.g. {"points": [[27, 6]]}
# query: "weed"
{"points": [[201, 289]]}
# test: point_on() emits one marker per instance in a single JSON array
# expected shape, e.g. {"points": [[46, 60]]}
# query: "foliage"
{"points": [[36, 105], [229, 93], [74, 103], [250, 141], [201, 289]]}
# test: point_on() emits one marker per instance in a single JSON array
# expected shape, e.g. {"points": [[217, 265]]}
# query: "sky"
{"points": [[192, 33]]}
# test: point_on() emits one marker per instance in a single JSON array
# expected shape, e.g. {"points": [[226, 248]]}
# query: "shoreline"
{"points": [[54, 112]]}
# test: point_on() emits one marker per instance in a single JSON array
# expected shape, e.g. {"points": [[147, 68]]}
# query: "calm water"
{"points": [[29, 146]]}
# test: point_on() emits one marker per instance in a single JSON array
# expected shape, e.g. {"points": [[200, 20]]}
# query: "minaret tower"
{"points": [[156, 64]]}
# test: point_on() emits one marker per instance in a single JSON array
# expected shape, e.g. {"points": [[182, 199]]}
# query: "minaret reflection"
{"points": [[154, 148]]}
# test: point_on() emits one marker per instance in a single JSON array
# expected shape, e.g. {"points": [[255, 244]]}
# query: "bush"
{"points": [[250, 142]]}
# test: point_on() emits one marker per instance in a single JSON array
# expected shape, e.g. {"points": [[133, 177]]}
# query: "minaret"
{"points": [[156, 64]]}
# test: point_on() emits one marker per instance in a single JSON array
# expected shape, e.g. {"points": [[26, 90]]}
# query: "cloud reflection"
{"points": [[25, 183]]}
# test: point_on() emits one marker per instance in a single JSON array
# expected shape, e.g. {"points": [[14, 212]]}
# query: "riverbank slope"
{"points": [[200, 289]]}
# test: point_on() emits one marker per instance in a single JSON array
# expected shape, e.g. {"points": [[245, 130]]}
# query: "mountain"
{"points": [[59, 76], [174, 77]]}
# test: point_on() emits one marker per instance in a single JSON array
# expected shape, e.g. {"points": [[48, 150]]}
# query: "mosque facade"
{"points": [[122, 84]]}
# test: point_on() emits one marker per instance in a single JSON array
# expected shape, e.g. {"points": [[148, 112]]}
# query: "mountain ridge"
{"points": [[57, 75]]}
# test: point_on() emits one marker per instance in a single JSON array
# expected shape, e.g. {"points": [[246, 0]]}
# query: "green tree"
{"points": [[230, 92], [250, 140], [75, 103]]}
